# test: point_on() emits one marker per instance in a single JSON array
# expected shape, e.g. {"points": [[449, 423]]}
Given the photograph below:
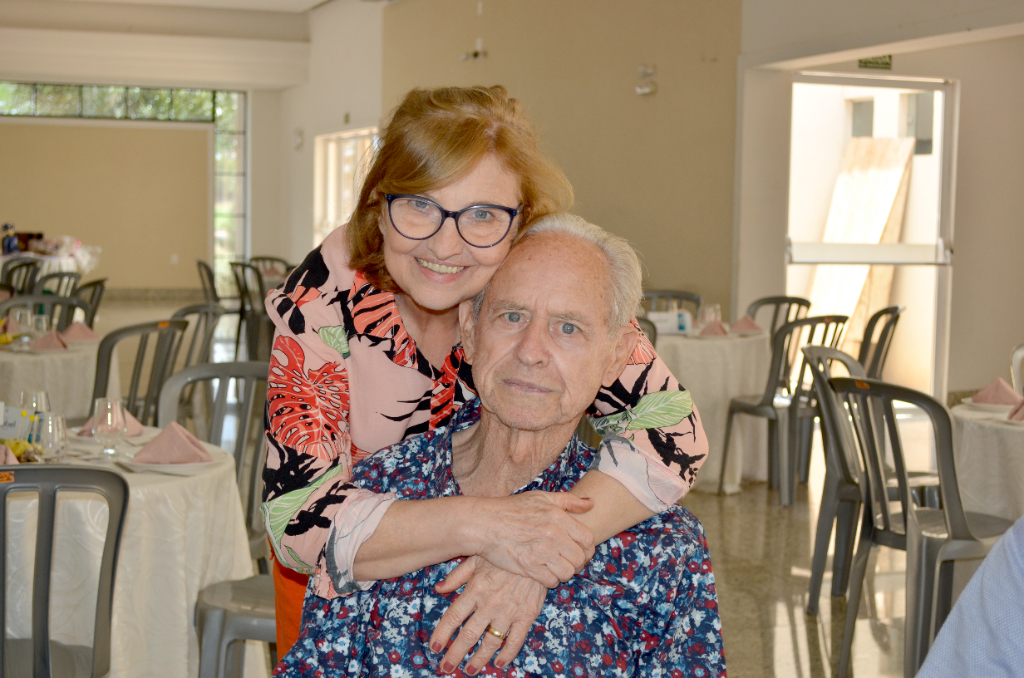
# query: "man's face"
{"points": [[541, 348]]}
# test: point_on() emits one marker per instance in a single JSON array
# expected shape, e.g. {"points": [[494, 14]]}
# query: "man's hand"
{"points": [[508, 603], [532, 535]]}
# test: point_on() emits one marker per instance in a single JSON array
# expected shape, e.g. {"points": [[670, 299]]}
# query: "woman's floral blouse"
{"points": [[645, 605], [347, 380]]}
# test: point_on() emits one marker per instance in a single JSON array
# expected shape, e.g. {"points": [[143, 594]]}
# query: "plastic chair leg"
{"points": [[725, 451], [209, 626], [922, 579], [785, 430], [826, 516], [860, 563], [846, 535], [806, 440]]}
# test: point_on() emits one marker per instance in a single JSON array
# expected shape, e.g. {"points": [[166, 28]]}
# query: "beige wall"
{"points": [[657, 170], [140, 191]]}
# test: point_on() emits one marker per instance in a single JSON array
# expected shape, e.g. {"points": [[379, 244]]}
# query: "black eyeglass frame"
{"points": [[511, 211]]}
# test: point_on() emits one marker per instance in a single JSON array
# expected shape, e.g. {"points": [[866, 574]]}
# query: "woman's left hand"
{"points": [[506, 602]]}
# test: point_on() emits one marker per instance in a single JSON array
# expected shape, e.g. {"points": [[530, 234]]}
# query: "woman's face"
{"points": [[442, 271]]}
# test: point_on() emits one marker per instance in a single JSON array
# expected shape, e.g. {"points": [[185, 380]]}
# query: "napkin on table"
{"points": [[174, 445], [7, 456], [50, 341], [78, 332], [131, 423], [745, 324], [998, 392], [1017, 413], [714, 329]]}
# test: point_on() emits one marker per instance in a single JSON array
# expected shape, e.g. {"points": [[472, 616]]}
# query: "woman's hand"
{"points": [[492, 598], [532, 535]]}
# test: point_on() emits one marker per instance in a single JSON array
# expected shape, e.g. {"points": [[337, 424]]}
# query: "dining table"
{"points": [[66, 375], [989, 453], [184, 530], [716, 369]]}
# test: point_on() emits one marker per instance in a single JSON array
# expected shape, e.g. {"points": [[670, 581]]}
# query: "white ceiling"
{"points": [[260, 5]]}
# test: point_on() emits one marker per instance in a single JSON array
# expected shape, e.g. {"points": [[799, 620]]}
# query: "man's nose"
{"points": [[533, 348], [447, 242]]}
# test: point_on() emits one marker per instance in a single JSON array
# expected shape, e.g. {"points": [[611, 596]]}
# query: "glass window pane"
{"points": [[230, 194], [15, 99], [229, 156], [230, 110], [103, 102], [228, 246], [191, 104], [149, 104], [58, 100]]}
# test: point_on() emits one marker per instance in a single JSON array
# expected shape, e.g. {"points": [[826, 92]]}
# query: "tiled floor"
{"points": [[761, 555]]}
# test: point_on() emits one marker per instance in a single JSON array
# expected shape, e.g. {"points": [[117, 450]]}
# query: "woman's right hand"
{"points": [[532, 535]]}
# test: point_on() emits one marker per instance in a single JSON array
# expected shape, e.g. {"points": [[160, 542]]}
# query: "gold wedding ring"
{"points": [[496, 633]]}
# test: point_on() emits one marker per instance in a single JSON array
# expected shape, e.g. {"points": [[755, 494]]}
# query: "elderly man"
{"points": [[552, 327]]}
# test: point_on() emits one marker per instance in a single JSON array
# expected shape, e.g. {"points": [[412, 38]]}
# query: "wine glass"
{"points": [[51, 435], [40, 325], [108, 425], [20, 321], [35, 401]]}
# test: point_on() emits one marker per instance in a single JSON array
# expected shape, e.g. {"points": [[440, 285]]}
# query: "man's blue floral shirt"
{"points": [[645, 605]]}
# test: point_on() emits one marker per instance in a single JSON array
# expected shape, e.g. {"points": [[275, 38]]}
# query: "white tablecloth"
{"points": [[989, 462], [181, 534], [68, 376], [715, 370]]}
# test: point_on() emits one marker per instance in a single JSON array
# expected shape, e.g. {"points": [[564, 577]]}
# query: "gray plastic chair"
{"points": [[92, 293], [202, 319], [649, 329], [934, 539], [60, 310], [663, 300], [62, 284], [232, 610], [1017, 369], [38, 656], [253, 293], [20, 273], [875, 349], [785, 401], [209, 283], [784, 310], [167, 335]]}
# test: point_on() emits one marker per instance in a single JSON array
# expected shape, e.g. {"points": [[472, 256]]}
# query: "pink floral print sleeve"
{"points": [[346, 380]]}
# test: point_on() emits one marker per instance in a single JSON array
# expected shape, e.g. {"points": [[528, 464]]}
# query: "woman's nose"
{"points": [[447, 242]]}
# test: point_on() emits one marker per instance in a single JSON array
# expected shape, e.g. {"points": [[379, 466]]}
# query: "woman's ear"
{"points": [[468, 327], [625, 343]]}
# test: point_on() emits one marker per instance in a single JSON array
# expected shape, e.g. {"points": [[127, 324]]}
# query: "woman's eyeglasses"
{"points": [[418, 218]]}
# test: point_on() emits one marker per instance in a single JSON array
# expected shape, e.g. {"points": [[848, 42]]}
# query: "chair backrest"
{"points": [[822, 330], [202, 319], [62, 284], [875, 349], [60, 310], [1017, 369], [251, 288], [784, 310], [275, 267], [649, 329], [92, 292], [870, 406], [167, 335], [46, 482], [208, 281], [247, 377], [839, 458], [668, 300], [20, 273]]}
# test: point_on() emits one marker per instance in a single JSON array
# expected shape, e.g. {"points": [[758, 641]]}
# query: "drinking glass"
{"points": [[35, 401], [51, 434], [40, 325], [108, 425], [22, 321], [709, 313]]}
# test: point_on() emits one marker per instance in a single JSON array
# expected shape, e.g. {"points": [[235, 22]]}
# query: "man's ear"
{"points": [[468, 326], [625, 342]]}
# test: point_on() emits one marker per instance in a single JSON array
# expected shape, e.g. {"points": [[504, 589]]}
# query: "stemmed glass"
{"points": [[22, 318], [51, 435], [40, 325], [108, 425], [708, 314], [35, 401]]}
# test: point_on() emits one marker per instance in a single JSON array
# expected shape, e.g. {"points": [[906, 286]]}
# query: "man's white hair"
{"points": [[625, 284]]}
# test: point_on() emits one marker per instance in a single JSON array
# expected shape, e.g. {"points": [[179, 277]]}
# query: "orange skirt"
{"points": [[289, 592]]}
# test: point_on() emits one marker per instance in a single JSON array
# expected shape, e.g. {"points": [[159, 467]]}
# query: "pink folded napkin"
{"points": [[6, 456], [50, 341], [998, 392], [745, 324], [174, 445], [131, 423], [78, 332], [1017, 413], [714, 329]]}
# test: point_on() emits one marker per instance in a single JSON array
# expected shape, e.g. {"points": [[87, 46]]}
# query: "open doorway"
{"points": [[870, 211]]}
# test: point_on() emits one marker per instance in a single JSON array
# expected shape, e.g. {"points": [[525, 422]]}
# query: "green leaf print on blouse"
{"points": [[336, 338], [278, 512], [655, 410]]}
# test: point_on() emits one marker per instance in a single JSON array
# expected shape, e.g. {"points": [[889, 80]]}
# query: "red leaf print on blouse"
{"points": [[643, 354], [375, 314], [442, 399], [307, 410]]}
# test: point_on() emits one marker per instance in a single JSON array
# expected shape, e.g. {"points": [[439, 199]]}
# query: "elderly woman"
{"points": [[552, 328], [367, 352]]}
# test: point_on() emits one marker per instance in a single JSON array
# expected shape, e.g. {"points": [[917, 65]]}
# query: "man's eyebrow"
{"points": [[572, 317], [506, 306]]}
